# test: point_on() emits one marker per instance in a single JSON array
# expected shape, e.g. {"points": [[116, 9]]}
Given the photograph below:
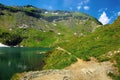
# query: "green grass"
{"points": [[97, 43], [116, 57], [58, 60]]}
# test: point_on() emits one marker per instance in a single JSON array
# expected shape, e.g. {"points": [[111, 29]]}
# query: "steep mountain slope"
{"points": [[25, 21]]}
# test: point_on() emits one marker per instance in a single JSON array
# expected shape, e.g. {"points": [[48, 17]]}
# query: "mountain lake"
{"points": [[16, 60]]}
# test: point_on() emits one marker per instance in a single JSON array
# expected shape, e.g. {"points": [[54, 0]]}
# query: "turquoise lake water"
{"points": [[15, 60]]}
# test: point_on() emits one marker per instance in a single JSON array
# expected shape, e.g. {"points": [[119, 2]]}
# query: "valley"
{"points": [[74, 37]]}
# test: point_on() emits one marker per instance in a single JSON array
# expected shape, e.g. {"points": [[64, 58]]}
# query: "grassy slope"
{"points": [[58, 59], [98, 43], [11, 18]]}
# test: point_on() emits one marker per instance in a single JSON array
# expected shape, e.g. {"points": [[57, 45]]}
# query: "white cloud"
{"points": [[78, 7], [86, 1], [50, 7], [86, 7], [83, 2], [104, 18], [119, 13], [102, 9]]}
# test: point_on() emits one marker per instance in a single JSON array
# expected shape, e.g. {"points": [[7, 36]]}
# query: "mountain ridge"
{"points": [[31, 18]]}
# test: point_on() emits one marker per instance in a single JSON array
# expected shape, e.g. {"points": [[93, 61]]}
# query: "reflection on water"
{"points": [[13, 60]]}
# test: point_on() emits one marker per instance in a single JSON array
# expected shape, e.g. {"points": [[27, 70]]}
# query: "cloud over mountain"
{"points": [[119, 13], [104, 18]]}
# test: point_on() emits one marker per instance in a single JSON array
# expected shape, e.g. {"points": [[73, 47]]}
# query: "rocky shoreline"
{"points": [[64, 74], [81, 70]]}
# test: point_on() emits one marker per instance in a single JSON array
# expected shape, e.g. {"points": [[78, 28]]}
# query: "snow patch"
{"points": [[2, 45]]}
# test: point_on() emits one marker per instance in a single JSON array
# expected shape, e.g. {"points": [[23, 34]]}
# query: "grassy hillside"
{"points": [[103, 44], [99, 42], [30, 24]]}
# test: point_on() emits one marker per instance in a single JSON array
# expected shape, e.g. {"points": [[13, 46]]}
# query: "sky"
{"points": [[106, 11]]}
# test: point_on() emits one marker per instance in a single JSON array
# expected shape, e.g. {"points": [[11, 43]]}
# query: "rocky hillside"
{"points": [[19, 23]]}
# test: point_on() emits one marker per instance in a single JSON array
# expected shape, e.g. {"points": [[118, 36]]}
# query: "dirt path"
{"points": [[91, 70], [80, 70], [61, 49]]}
